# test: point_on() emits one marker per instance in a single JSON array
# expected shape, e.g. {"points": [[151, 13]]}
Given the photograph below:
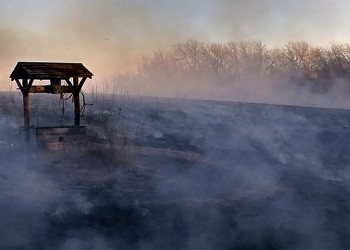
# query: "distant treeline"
{"points": [[299, 62]]}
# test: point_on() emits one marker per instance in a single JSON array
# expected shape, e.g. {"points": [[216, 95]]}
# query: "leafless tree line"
{"points": [[234, 61]]}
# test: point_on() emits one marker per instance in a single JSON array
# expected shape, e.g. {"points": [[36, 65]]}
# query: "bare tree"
{"points": [[189, 55], [161, 64], [338, 56], [254, 56], [297, 56], [298, 61], [247, 58], [276, 62], [316, 63], [215, 57], [233, 65]]}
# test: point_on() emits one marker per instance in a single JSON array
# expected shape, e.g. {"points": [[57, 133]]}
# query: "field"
{"points": [[161, 173]]}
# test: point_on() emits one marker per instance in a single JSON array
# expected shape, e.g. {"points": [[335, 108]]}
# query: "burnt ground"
{"points": [[153, 173]]}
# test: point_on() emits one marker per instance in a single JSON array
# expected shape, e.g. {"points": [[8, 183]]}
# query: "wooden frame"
{"points": [[27, 72]]}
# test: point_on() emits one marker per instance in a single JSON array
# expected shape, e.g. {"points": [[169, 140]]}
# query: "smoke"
{"points": [[208, 174], [112, 37], [280, 22], [262, 168], [205, 174], [109, 37], [248, 89]]}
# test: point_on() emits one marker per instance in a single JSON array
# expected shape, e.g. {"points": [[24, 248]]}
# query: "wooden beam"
{"points": [[70, 84], [81, 83], [48, 89], [19, 85], [40, 89], [76, 87]]}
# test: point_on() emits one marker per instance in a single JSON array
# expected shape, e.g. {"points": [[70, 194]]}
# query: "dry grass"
{"points": [[114, 149]]}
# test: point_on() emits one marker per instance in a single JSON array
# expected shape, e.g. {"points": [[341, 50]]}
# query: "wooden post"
{"points": [[76, 102], [26, 109]]}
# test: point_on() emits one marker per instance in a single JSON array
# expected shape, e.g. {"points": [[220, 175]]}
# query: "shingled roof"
{"points": [[48, 70]]}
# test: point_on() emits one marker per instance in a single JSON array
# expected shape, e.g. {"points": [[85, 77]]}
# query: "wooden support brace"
{"points": [[19, 85], [76, 87], [70, 84], [81, 83]]}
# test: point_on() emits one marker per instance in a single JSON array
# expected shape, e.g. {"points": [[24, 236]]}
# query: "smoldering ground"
{"points": [[251, 91], [203, 174]]}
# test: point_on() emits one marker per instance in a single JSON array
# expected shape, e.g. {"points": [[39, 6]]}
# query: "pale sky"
{"points": [[112, 36]]}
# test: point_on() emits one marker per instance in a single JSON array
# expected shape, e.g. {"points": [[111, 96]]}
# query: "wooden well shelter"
{"points": [[74, 74]]}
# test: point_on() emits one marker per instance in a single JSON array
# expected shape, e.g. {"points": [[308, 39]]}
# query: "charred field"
{"points": [[161, 173]]}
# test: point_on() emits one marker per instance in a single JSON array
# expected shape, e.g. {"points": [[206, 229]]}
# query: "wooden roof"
{"points": [[48, 70]]}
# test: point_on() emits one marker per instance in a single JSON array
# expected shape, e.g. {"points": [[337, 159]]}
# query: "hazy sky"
{"points": [[111, 36]]}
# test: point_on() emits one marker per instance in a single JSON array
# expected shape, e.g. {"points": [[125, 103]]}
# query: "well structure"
{"points": [[63, 78]]}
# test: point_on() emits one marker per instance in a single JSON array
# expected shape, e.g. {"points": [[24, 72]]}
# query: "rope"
{"points": [[63, 99], [70, 96], [84, 104]]}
